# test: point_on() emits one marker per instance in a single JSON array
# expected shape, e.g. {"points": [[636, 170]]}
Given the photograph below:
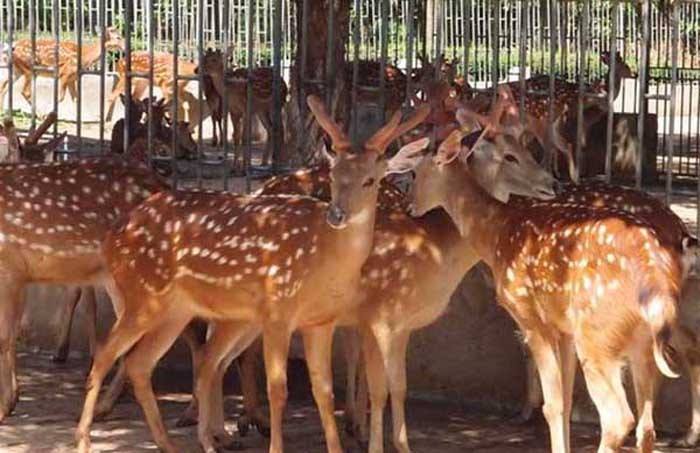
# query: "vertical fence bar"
{"points": [[176, 82], [103, 69], [32, 33], [200, 84], [410, 45], [55, 24], [495, 36], [226, 30], [330, 50], [644, 55], [249, 93], [11, 57], [357, 41], [549, 151], [79, 101], [615, 5], [522, 56], [151, 56], [128, 14], [302, 73], [466, 41], [277, 101], [384, 50], [582, 69], [672, 101]]}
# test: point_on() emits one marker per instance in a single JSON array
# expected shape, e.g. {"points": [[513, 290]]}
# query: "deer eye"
{"points": [[511, 158], [368, 182]]}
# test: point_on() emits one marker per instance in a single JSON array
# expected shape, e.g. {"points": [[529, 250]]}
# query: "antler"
{"points": [[35, 135], [387, 134], [338, 137]]}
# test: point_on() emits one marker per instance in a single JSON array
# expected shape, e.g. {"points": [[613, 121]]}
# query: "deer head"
{"points": [[355, 171], [496, 159], [212, 62], [113, 39], [622, 69]]}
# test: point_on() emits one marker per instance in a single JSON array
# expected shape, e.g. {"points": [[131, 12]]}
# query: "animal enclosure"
{"points": [[211, 94]]}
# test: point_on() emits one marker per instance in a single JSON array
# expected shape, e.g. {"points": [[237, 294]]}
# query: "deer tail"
{"points": [[660, 311]]}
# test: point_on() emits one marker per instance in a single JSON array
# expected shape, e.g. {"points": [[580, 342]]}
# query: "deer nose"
{"points": [[336, 217]]}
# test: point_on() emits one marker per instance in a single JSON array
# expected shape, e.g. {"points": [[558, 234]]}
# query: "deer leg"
{"points": [[362, 401], [604, 383], [11, 308], [549, 365], [693, 435], [224, 342], [396, 374], [318, 342], [63, 345], [567, 353], [108, 400], [351, 348], [248, 363], [223, 437], [276, 337], [645, 377], [533, 390], [90, 302], [125, 333], [378, 392], [141, 361], [114, 95], [193, 338], [267, 124], [565, 148], [5, 85]]}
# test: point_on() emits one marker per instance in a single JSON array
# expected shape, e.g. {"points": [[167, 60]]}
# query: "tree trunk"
{"points": [[305, 136]]}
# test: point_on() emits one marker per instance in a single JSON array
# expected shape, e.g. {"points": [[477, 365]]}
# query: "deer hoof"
{"points": [[228, 442]]}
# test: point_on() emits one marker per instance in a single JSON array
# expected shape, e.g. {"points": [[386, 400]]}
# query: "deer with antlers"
{"points": [[176, 258], [22, 62], [594, 283], [235, 84], [428, 260]]}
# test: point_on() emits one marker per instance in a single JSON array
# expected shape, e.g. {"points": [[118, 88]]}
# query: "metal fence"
{"points": [[494, 40]]}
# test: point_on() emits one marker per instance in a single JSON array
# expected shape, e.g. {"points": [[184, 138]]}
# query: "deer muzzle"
{"points": [[336, 217]]}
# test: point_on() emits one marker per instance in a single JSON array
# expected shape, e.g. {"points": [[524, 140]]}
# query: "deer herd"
{"points": [[588, 271]]}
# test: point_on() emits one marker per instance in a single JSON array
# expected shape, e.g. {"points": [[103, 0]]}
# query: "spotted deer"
{"points": [[185, 255], [564, 107], [163, 75], [674, 231], [235, 84], [56, 239], [599, 284], [415, 264], [45, 58]]}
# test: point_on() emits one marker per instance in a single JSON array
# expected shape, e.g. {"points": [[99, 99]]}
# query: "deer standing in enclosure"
{"points": [[563, 104], [56, 239], [578, 283], [22, 62], [250, 265], [415, 265], [233, 87], [163, 79]]}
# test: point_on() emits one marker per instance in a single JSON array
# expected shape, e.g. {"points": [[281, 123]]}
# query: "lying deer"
{"points": [[594, 283], [176, 258], [45, 58]]}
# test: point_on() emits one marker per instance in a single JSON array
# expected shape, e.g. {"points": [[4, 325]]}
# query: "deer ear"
{"points": [[450, 149], [408, 157], [327, 151]]}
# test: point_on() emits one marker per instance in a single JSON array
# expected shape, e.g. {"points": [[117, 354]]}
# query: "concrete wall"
{"points": [[471, 354]]}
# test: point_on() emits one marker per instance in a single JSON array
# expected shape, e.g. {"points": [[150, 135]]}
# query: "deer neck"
{"points": [[217, 80], [617, 83], [91, 53], [476, 214]]}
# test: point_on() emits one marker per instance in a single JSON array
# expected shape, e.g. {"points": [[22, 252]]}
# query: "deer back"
{"points": [[65, 209]]}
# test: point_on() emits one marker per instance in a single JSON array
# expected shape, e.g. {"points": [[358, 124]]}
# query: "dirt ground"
{"points": [[52, 397]]}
